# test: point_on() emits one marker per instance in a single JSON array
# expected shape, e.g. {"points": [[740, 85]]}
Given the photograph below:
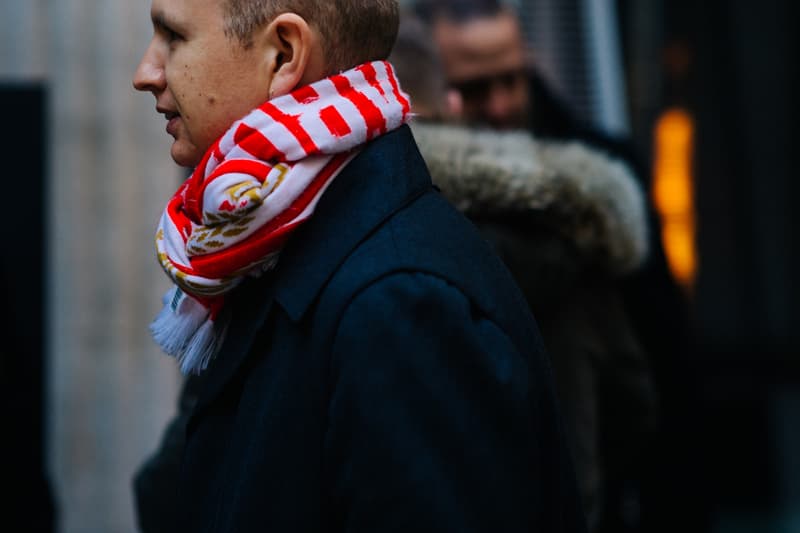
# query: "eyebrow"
{"points": [[161, 22]]}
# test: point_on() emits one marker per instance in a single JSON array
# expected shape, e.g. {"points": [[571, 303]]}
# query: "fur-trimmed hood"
{"points": [[591, 199]]}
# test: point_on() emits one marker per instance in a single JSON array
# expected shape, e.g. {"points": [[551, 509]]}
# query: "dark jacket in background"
{"points": [[655, 302], [657, 307], [388, 376], [570, 223]]}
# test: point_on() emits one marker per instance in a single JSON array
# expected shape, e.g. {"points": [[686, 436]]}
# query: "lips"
{"points": [[172, 121]]}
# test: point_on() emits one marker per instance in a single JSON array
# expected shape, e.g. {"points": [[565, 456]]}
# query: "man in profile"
{"points": [[367, 362]]}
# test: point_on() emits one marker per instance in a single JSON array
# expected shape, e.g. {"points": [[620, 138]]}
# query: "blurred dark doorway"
{"points": [[28, 497]]}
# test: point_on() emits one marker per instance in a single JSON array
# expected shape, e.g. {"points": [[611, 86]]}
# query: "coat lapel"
{"points": [[249, 306], [384, 178]]}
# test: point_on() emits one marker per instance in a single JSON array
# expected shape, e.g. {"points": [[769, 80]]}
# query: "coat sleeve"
{"points": [[432, 423]]}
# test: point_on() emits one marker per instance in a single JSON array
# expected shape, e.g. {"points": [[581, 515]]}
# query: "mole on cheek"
{"points": [[212, 100]]}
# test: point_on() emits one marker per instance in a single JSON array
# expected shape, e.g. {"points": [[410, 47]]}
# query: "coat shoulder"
{"points": [[431, 238]]}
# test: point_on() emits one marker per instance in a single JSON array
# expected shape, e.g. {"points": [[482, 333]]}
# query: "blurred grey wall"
{"points": [[110, 391]]}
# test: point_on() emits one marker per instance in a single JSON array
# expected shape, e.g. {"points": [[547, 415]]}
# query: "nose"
{"points": [[149, 75]]}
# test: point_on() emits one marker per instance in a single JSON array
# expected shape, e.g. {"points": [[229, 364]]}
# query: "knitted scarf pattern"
{"points": [[256, 185]]}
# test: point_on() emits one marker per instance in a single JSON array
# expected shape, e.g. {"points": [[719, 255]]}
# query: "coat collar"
{"points": [[385, 177], [388, 174]]}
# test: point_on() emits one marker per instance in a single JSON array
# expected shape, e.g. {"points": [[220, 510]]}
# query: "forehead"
{"points": [[187, 11], [480, 47]]}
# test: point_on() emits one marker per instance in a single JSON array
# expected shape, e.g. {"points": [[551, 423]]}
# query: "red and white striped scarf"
{"points": [[258, 183]]}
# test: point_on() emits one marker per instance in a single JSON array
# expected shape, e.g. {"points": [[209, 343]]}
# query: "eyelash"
{"points": [[172, 35]]}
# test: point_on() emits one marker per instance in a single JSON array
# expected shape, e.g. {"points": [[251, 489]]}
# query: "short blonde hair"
{"points": [[353, 31]]}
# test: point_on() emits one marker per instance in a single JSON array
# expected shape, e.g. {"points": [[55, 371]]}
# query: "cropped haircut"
{"points": [[352, 31]]}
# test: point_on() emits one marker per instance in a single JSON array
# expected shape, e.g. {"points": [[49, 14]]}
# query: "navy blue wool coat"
{"points": [[387, 376]]}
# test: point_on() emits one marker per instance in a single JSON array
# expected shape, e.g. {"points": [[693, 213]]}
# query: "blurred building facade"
{"points": [[109, 390]]}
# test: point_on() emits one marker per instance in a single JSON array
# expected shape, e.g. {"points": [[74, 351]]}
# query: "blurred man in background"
{"points": [[486, 60]]}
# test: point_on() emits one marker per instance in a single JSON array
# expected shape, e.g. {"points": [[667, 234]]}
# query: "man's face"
{"points": [[202, 80], [485, 60]]}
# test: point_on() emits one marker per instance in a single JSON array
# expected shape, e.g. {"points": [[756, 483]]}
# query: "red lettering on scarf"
{"points": [[396, 89], [254, 142], [292, 123], [371, 75], [373, 117], [336, 124], [258, 169], [306, 95]]}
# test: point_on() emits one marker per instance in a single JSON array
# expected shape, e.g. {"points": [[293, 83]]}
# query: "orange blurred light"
{"points": [[673, 192]]}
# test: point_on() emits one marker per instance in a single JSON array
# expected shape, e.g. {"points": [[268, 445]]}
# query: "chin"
{"points": [[185, 156]]}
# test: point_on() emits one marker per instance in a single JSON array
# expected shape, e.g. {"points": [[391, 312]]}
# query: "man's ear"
{"points": [[295, 54]]}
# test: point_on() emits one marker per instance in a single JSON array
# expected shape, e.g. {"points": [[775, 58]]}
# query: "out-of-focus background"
{"points": [[87, 172], [706, 91]]}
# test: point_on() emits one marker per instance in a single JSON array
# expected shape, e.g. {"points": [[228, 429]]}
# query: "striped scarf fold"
{"points": [[254, 186]]}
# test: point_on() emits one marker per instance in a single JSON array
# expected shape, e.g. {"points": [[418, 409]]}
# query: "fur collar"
{"points": [[591, 199]]}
